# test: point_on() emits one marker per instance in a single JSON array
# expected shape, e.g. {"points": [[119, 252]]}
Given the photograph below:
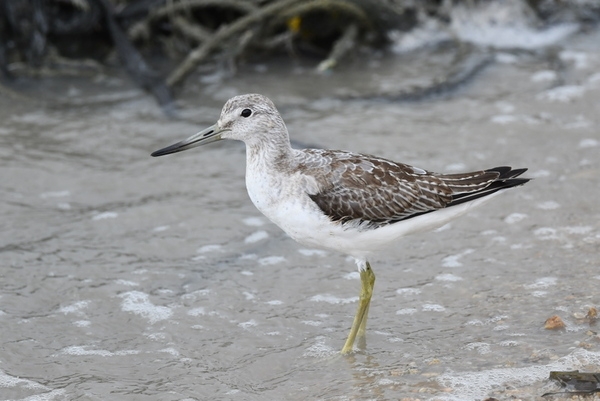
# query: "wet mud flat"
{"points": [[129, 277]]}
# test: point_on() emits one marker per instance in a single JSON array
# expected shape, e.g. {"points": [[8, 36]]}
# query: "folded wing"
{"points": [[373, 192]]}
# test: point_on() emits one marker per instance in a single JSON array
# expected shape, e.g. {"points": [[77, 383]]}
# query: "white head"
{"points": [[250, 118]]}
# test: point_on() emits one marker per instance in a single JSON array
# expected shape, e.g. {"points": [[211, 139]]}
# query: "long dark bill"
{"points": [[209, 135]]}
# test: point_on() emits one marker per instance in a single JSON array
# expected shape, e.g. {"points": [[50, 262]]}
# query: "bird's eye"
{"points": [[246, 113]]}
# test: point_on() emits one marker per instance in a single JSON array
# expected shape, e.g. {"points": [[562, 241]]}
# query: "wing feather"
{"points": [[373, 191]]}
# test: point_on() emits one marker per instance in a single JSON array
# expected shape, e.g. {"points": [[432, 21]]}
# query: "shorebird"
{"points": [[354, 203]]}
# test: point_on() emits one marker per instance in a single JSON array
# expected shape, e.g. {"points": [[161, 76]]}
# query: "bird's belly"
{"points": [[304, 222], [295, 213]]}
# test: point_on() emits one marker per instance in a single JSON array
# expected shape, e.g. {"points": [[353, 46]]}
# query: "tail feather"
{"points": [[506, 178]]}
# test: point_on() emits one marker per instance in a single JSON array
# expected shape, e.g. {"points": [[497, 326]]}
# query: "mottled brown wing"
{"points": [[369, 189], [362, 188], [375, 190]]}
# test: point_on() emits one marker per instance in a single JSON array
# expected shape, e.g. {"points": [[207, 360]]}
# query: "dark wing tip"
{"points": [[506, 172]]}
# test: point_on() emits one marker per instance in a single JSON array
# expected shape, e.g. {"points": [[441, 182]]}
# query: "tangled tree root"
{"points": [[191, 33]]}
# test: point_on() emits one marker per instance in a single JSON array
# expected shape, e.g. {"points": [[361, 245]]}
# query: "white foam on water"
{"points": [[499, 238], [406, 311], [504, 106], [311, 323], [8, 381], [82, 350], [271, 260], [594, 78], [170, 350], [209, 248], [515, 218], [331, 299], [77, 306], [432, 308], [248, 256], [274, 302], [246, 325], [539, 174], [456, 167], [63, 206], [564, 94], [408, 291], [448, 277], [544, 76], [127, 283], [445, 227], [105, 215], [514, 118], [49, 396], [504, 25], [478, 385], [386, 382], [55, 194], [319, 349], [312, 252], [546, 233], [452, 260], [428, 32], [139, 303], [504, 119], [578, 230], [548, 205], [480, 347], [352, 276], [254, 221], [199, 311], [579, 59], [506, 58], [578, 123], [256, 236], [543, 282], [160, 228], [195, 295], [588, 143]]}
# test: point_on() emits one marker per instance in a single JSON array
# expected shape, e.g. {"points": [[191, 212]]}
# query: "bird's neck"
{"points": [[272, 155]]}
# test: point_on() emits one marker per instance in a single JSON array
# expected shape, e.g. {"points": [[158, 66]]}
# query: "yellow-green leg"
{"points": [[359, 325]]}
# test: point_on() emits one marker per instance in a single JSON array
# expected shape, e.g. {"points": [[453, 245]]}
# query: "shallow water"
{"points": [[128, 277]]}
